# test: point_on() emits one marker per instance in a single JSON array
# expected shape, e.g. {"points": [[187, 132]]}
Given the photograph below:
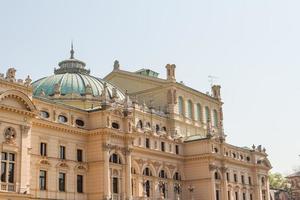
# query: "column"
{"points": [[267, 188], [213, 185], [224, 189], [24, 181], [128, 175], [106, 181]]}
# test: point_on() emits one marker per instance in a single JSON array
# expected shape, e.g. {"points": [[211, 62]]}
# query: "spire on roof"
{"points": [[72, 51]]}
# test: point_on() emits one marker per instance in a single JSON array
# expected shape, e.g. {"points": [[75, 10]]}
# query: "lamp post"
{"points": [[177, 190], [161, 189], [191, 189]]}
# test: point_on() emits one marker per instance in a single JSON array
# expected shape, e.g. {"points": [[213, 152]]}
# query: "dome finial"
{"points": [[72, 51]]}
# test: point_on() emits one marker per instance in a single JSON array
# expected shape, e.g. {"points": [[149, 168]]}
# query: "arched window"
{"points": [[216, 121], [176, 176], [164, 129], [190, 109], [157, 128], [139, 124], [115, 125], [199, 112], [207, 114], [180, 105], [217, 176], [147, 172], [162, 174], [115, 158]]}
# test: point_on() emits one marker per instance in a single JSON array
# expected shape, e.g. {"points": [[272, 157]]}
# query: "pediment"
{"points": [[17, 99]]}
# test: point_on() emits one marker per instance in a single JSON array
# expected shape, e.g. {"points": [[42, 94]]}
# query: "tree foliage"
{"points": [[278, 181]]}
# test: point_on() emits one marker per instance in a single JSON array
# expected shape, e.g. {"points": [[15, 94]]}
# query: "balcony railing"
{"points": [[9, 187]]}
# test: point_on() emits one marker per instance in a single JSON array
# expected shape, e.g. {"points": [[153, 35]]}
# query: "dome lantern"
{"points": [[71, 65]]}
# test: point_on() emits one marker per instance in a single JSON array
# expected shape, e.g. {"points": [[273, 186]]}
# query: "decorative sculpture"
{"points": [[116, 65], [88, 90], [9, 135], [27, 81], [11, 75], [57, 88]]}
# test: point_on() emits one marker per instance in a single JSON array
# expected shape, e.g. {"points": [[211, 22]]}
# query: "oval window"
{"points": [[44, 114], [115, 125], [79, 122], [62, 119]]}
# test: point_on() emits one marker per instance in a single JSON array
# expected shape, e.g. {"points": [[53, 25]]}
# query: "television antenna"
{"points": [[212, 79]]}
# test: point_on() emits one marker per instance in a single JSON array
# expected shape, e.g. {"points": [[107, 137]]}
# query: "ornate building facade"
{"points": [[131, 135]]}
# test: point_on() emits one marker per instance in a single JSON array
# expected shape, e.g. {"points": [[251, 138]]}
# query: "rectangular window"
{"points": [[217, 195], [62, 152], [147, 143], [227, 177], [249, 180], [251, 198], [43, 179], [79, 183], [7, 167], [177, 149], [244, 196], [229, 196], [235, 178], [62, 182], [236, 196], [162, 146], [43, 149], [79, 155], [243, 179], [115, 185]]}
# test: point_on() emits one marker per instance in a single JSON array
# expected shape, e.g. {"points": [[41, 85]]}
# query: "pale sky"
{"points": [[252, 46]]}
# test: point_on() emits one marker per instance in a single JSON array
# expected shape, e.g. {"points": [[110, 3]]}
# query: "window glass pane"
{"points": [[11, 170], [79, 183], [198, 112], [11, 157], [79, 155], [62, 152], [61, 182], [4, 156], [215, 118], [180, 105], [190, 104], [42, 180], [207, 113], [115, 185], [3, 172]]}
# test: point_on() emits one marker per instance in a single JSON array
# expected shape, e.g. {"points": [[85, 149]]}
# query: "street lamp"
{"points": [[177, 190], [191, 189]]}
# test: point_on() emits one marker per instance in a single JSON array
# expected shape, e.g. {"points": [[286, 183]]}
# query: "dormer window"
{"points": [[62, 119], [44, 114], [115, 125], [79, 122]]}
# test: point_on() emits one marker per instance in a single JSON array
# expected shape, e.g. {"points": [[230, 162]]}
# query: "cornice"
{"points": [[157, 153], [17, 110], [15, 85]]}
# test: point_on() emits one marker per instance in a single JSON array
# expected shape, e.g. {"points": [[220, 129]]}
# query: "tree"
{"points": [[277, 181]]}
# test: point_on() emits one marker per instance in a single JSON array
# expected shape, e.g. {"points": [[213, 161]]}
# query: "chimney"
{"points": [[216, 91], [171, 72]]}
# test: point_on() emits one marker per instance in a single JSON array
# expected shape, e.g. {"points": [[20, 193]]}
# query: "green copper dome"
{"points": [[71, 79]]}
